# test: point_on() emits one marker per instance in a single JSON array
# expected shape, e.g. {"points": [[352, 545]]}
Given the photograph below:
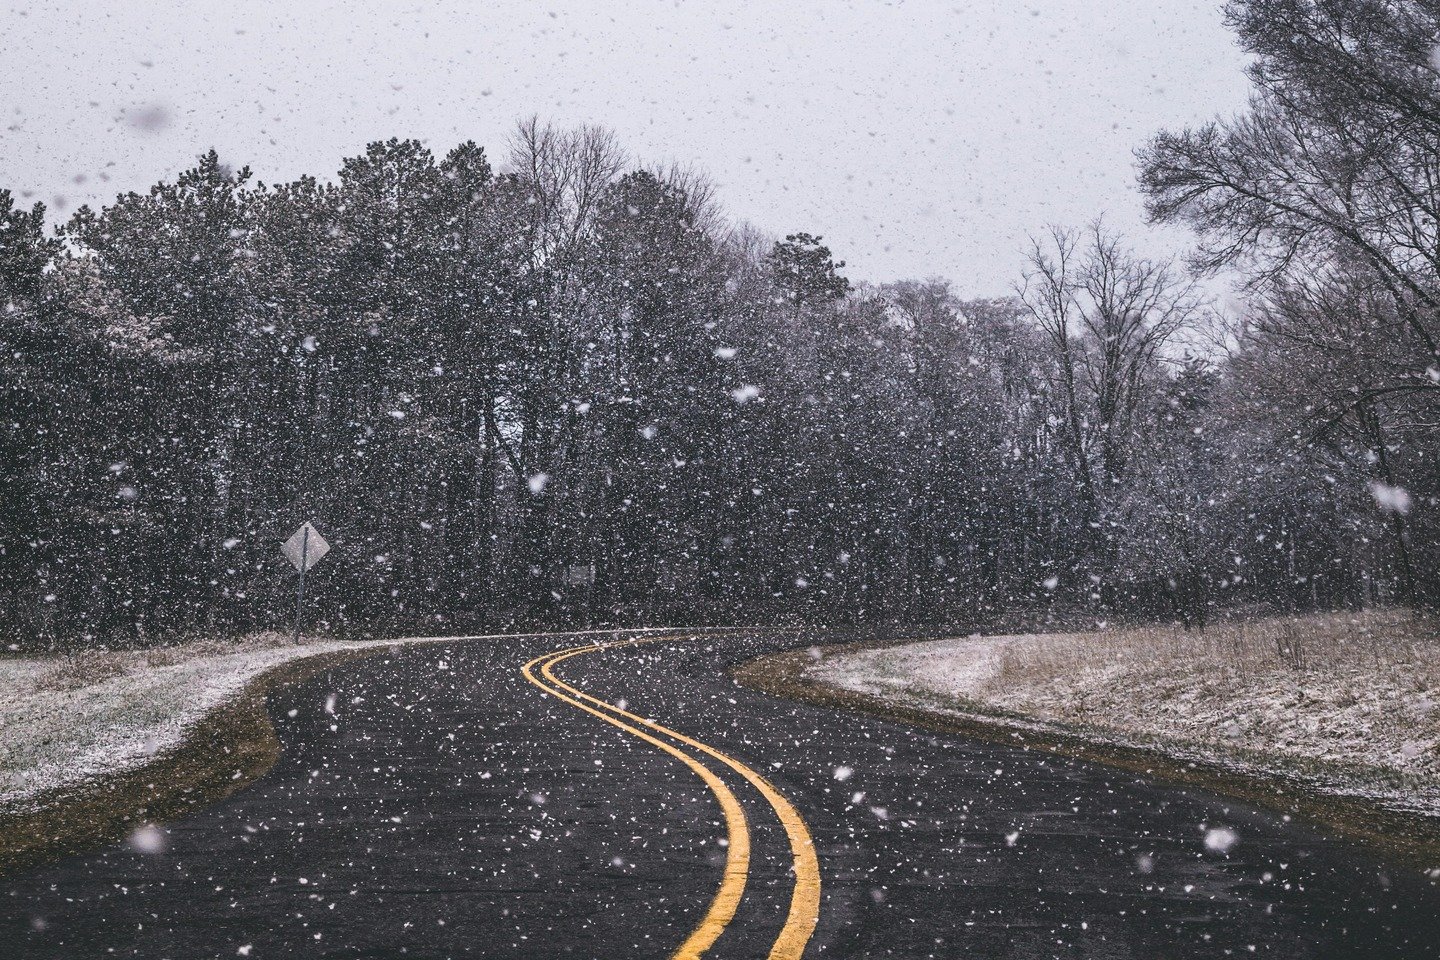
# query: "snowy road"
{"points": [[435, 802]]}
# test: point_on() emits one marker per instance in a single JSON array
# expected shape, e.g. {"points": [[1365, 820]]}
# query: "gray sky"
{"points": [[920, 138]]}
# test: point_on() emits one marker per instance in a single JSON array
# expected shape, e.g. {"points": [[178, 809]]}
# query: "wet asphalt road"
{"points": [[447, 808]]}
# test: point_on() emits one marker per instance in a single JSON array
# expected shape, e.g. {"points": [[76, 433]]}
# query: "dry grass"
{"points": [[83, 669], [1323, 644]]}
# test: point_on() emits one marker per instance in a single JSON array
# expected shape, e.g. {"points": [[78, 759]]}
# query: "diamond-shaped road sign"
{"points": [[305, 548]]}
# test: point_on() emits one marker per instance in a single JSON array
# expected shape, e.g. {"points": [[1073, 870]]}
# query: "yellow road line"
{"points": [[805, 900], [737, 855]]}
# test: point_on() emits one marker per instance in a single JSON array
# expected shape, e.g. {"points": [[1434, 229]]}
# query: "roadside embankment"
{"points": [[96, 744], [1334, 717]]}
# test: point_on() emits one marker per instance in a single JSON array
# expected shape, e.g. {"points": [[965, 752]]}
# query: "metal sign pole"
{"points": [[300, 591], [301, 554]]}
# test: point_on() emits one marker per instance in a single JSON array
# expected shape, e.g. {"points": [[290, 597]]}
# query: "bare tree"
{"points": [[568, 172], [1337, 160], [1108, 316]]}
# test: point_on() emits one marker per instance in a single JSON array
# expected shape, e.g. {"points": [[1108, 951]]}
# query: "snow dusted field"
{"points": [[1351, 703], [65, 720]]}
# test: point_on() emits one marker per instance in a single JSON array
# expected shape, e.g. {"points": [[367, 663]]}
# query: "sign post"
{"points": [[304, 549]]}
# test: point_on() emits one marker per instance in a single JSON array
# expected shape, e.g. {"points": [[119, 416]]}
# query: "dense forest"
{"points": [[556, 386]]}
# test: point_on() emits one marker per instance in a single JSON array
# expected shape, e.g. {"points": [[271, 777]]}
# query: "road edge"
{"points": [[1402, 839], [231, 747]]}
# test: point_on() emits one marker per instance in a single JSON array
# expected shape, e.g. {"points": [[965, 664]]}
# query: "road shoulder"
{"points": [[231, 746]]}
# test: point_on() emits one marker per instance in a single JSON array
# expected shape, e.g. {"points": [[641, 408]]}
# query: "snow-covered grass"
{"points": [[1350, 702], [65, 720]]}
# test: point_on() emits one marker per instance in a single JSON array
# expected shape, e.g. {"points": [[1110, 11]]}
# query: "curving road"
{"points": [[540, 797]]}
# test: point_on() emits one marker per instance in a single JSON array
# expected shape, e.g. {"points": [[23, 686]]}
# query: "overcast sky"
{"points": [[920, 138]]}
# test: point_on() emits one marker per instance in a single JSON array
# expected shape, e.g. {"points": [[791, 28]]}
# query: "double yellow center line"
{"points": [[804, 900]]}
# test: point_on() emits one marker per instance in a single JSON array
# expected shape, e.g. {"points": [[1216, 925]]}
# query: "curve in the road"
{"points": [[413, 821], [804, 912], [737, 858]]}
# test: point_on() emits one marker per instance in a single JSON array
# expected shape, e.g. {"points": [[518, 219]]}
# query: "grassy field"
{"points": [[1317, 644]]}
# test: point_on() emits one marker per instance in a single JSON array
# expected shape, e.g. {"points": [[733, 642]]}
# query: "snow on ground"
{"points": [[1349, 702], [64, 720]]}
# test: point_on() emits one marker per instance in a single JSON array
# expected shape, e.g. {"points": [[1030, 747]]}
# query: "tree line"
{"points": [[571, 391]]}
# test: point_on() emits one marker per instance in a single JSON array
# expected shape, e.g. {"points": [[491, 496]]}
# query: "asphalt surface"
{"points": [[433, 802]]}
